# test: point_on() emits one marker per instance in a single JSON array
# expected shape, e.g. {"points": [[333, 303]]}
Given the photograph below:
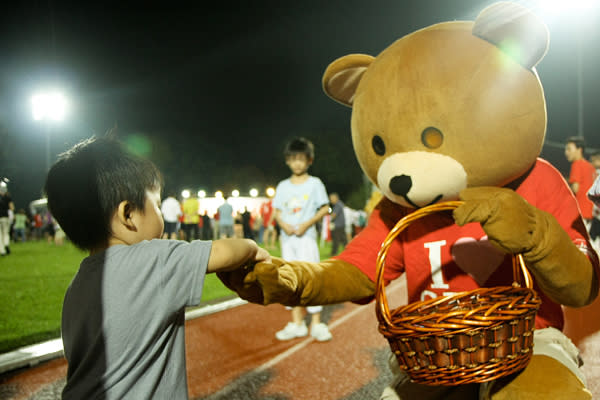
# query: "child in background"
{"points": [[300, 202], [20, 225], [123, 313]]}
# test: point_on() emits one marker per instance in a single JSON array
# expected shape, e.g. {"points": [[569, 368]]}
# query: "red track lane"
{"points": [[224, 350], [233, 354]]}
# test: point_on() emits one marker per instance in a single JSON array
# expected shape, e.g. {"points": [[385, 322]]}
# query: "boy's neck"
{"points": [[297, 179]]}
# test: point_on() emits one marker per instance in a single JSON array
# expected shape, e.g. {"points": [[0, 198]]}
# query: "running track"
{"points": [[233, 355]]}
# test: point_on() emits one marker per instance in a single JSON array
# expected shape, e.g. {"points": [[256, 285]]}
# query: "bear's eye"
{"points": [[378, 145], [432, 138]]}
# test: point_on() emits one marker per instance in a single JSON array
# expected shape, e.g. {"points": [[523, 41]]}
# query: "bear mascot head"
{"points": [[454, 105], [455, 111]]}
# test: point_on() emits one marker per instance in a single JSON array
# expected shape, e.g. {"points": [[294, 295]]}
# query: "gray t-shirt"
{"points": [[123, 320]]}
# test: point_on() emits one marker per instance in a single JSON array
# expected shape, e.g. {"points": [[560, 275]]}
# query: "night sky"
{"points": [[212, 92]]}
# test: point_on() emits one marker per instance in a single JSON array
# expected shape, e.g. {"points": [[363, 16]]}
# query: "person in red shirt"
{"points": [[581, 177], [269, 233]]}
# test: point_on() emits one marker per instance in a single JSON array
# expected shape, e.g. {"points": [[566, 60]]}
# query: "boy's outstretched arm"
{"points": [[229, 254], [300, 283]]}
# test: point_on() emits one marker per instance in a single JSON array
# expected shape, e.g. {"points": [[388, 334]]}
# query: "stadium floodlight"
{"points": [[253, 192], [270, 191], [185, 194], [50, 105], [219, 194], [201, 194], [235, 193]]}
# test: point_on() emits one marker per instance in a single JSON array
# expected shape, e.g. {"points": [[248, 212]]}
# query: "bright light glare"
{"points": [[51, 105], [253, 192], [235, 193], [270, 192], [562, 6], [201, 194], [185, 194], [219, 194]]}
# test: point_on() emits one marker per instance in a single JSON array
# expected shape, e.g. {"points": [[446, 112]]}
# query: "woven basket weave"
{"points": [[469, 337]]}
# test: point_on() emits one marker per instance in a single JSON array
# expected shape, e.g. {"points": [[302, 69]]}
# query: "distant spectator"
{"points": [[171, 211], [20, 225], [246, 224], [581, 176], [337, 224], [226, 219], [59, 235], [256, 222], [595, 225], [6, 204], [37, 225], [48, 228], [269, 233], [191, 217], [207, 230]]}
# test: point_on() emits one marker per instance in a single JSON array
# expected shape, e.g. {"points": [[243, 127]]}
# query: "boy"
{"points": [[300, 202], [123, 313]]}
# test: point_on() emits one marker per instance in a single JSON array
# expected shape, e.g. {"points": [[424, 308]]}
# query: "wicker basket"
{"points": [[469, 337]]}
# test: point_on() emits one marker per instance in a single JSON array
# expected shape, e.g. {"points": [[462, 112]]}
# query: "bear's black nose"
{"points": [[401, 184]]}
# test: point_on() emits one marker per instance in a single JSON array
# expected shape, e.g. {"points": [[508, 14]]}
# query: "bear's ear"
{"points": [[515, 30], [342, 76]]}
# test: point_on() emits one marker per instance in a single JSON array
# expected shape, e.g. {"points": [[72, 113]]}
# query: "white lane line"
{"points": [[275, 360], [214, 308]]}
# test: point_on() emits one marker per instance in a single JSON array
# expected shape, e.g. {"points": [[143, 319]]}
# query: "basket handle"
{"points": [[521, 275]]}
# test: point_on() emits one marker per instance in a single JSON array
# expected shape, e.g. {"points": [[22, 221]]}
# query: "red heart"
{"points": [[478, 258]]}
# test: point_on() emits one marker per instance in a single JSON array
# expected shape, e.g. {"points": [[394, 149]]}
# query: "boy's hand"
{"points": [[279, 284], [262, 255], [300, 283]]}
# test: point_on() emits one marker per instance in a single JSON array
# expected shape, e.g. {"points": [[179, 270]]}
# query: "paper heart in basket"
{"points": [[478, 258], [455, 111]]}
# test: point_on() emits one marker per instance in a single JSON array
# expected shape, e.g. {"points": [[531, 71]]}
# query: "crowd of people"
{"points": [[21, 225]]}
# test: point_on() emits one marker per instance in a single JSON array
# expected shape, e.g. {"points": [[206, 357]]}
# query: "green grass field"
{"points": [[33, 280]]}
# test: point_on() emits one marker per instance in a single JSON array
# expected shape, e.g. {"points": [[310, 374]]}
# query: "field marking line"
{"points": [[292, 350]]}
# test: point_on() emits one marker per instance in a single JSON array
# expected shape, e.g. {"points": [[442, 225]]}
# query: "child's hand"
{"points": [[301, 229], [288, 229]]}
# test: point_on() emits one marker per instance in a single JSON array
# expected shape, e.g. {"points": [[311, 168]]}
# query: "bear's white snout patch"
{"points": [[419, 178]]}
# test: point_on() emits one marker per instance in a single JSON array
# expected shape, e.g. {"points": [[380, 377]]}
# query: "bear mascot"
{"points": [[455, 111]]}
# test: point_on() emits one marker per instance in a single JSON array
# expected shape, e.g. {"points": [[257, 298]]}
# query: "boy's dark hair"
{"points": [[87, 183], [578, 141], [299, 146]]}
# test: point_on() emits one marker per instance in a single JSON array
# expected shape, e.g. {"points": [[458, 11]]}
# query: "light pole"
{"points": [[48, 107]]}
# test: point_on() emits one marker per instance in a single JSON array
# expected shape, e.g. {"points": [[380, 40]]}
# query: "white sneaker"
{"points": [[291, 331], [320, 332]]}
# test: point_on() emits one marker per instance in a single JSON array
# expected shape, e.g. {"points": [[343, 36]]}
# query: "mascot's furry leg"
{"points": [[553, 372]]}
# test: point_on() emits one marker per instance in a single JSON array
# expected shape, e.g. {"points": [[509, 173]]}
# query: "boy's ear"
{"points": [[124, 214]]}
